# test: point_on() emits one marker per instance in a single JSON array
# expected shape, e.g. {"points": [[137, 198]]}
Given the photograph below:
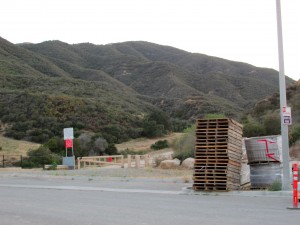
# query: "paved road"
{"points": [[40, 203]]}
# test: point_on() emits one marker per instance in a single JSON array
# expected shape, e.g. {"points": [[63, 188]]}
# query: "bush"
{"points": [[151, 129], [40, 157], [53, 166], [132, 152], [253, 130], [272, 124], [215, 116], [111, 150], [294, 134], [161, 144], [275, 186], [56, 145], [185, 146]]}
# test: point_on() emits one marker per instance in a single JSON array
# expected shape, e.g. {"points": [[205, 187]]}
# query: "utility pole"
{"points": [[286, 185]]}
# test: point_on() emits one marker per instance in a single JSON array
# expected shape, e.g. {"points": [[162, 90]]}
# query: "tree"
{"points": [[56, 145], [294, 134], [85, 144], [111, 150], [253, 129], [272, 124], [160, 118], [99, 147], [152, 129]]}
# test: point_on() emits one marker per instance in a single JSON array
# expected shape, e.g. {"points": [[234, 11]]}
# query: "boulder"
{"points": [[170, 164], [188, 163]]}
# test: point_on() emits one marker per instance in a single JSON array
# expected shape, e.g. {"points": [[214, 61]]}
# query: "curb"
{"points": [[190, 191]]}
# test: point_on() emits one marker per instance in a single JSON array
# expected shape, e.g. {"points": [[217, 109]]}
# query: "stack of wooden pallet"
{"points": [[218, 154]]}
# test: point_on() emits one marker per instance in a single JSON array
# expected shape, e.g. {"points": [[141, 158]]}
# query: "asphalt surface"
{"points": [[64, 200]]}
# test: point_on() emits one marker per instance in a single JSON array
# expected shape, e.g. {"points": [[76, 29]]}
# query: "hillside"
{"points": [[39, 101], [271, 103], [168, 76], [110, 89], [264, 117]]}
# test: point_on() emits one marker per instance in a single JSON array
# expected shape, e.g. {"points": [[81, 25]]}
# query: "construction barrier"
{"points": [[295, 185]]}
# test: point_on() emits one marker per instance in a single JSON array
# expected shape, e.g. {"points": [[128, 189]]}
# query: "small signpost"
{"points": [[287, 115], [69, 160]]}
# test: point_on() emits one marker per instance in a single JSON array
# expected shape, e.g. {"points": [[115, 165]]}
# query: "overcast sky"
{"points": [[240, 30]]}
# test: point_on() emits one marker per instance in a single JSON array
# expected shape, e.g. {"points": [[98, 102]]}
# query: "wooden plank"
{"points": [[229, 155]]}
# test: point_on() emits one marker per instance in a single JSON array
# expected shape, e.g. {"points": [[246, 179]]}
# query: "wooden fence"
{"points": [[136, 161], [100, 160]]}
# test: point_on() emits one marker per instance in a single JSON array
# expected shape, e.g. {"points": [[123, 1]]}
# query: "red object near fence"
{"points": [[109, 159]]}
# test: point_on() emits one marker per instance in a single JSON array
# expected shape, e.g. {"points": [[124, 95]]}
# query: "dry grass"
{"points": [[11, 146], [142, 144]]}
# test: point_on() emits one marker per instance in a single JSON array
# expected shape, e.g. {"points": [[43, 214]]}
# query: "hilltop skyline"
{"points": [[242, 31]]}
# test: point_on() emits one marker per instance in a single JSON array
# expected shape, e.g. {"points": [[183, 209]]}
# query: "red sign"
{"points": [[69, 143]]}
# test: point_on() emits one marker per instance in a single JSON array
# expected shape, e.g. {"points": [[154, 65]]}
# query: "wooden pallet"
{"points": [[217, 155]]}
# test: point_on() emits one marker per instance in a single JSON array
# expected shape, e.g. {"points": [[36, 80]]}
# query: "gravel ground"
{"points": [[107, 172], [153, 179]]}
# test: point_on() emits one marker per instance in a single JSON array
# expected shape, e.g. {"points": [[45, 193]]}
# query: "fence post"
{"points": [[21, 161], [3, 162], [129, 161], [122, 161], [137, 161], [146, 160], [78, 163]]}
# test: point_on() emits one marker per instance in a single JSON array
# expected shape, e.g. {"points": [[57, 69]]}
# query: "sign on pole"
{"points": [[68, 137], [68, 133], [287, 115], [69, 143]]}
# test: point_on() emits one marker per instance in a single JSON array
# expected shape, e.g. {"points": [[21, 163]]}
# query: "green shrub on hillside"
{"points": [[272, 124], [253, 129], [161, 144], [214, 116], [40, 157], [294, 134], [184, 147]]}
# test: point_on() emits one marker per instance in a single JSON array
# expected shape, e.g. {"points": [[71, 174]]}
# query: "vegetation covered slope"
{"points": [[39, 101], [264, 118], [170, 77], [110, 89]]}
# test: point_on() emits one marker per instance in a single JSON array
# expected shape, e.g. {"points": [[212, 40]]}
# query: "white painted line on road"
{"points": [[80, 188]]}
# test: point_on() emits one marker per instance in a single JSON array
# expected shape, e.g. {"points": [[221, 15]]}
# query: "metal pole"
{"points": [[286, 185]]}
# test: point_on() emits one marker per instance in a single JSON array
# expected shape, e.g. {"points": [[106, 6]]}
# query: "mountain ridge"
{"points": [[126, 80]]}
